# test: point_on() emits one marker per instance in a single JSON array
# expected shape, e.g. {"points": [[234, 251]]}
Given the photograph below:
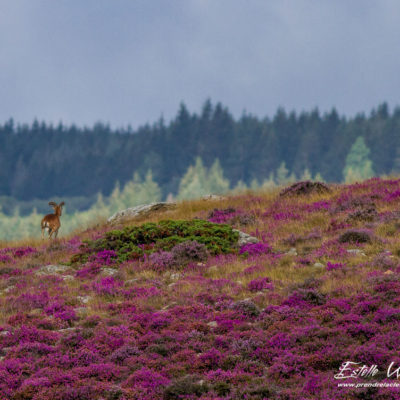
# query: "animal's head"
{"points": [[57, 207]]}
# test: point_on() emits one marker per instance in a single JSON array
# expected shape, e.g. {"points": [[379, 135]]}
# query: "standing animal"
{"points": [[51, 222]]}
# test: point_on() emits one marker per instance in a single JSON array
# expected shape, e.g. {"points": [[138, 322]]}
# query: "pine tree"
{"points": [[306, 176], [193, 183], [216, 183], [358, 166], [240, 187], [282, 174]]}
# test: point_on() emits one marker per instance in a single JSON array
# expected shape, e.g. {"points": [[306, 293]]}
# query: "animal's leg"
{"points": [[55, 234], [42, 233], [50, 233]]}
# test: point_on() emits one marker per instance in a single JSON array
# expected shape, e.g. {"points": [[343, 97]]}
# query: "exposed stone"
{"points": [[356, 252], [66, 330], [175, 276], [129, 281], [213, 197], [388, 272], [245, 238], [212, 324], [318, 265], [68, 277], [140, 211], [109, 271], [174, 303], [9, 288], [52, 269], [84, 299], [291, 252]]}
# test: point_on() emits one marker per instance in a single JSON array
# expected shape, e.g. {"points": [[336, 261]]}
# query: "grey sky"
{"points": [[129, 61]]}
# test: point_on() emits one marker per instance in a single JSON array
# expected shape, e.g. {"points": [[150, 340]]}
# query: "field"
{"points": [[272, 320]]}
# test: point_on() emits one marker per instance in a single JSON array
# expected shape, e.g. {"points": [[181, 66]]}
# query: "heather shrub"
{"points": [[384, 261], [107, 286], [189, 251], [243, 220], [222, 388], [221, 216], [305, 188], [293, 239], [363, 214], [231, 216], [312, 296], [347, 202], [90, 270], [255, 249], [246, 307], [147, 380], [189, 385], [355, 236], [334, 266], [260, 284], [162, 260]]}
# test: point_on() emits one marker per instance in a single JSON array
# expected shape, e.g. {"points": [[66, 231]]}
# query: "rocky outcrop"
{"points": [[245, 238], [144, 210], [52, 269], [213, 197]]}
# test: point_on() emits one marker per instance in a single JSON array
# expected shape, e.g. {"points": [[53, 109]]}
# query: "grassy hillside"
{"points": [[92, 317]]}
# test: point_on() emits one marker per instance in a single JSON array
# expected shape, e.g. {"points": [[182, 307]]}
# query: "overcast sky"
{"points": [[131, 61]]}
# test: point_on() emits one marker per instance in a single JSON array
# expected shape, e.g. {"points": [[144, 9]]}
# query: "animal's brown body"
{"points": [[52, 221]]}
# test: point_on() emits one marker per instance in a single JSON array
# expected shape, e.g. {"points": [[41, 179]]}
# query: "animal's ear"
{"points": [[61, 204], [52, 204]]}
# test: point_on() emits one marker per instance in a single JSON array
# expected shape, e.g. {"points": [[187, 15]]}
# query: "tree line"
{"points": [[42, 161]]}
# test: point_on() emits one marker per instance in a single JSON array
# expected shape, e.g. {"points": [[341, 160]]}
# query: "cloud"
{"points": [[129, 62]]}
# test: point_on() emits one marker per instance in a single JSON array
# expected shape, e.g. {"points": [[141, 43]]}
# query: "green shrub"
{"points": [[133, 242]]}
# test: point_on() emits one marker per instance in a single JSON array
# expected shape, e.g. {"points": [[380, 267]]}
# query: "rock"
{"points": [[174, 303], [52, 269], [109, 271], [129, 281], [4, 333], [140, 211], [292, 252], [318, 265], [68, 277], [244, 238], [175, 276], [66, 330], [213, 197], [84, 299], [212, 324], [356, 252], [388, 272], [9, 288]]}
